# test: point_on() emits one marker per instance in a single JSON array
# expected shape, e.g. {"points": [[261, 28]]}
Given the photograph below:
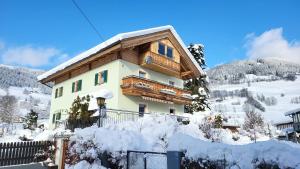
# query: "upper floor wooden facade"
{"points": [[141, 50]]}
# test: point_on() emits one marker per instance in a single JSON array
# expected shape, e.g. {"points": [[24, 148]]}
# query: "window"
{"points": [[165, 50], [101, 77], [53, 118], [171, 83], [142, 109], [58, 92], [58, 116], [77, 86], [161, 48], [172, 111], [169, 52], [142, 74]]}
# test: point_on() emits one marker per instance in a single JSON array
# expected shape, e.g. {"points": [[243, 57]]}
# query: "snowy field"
{"points": [[29, 98], [282, 90]]}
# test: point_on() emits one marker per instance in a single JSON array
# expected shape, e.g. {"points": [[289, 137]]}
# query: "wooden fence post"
{"points": [[61, 150]]}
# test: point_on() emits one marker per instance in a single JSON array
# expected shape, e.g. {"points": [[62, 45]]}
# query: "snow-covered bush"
{"points": [[91, 146], [201, 154]]}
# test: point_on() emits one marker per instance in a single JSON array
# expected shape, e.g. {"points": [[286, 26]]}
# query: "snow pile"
{"points": [[18, 134], [163, 133], [244, 156]]}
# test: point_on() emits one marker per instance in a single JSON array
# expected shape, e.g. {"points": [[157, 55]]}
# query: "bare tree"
{"points": [[8, 107], [253, 122]]}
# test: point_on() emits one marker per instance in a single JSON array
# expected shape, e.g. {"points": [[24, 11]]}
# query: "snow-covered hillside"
{"points": [[30, 94], [273, 85]]}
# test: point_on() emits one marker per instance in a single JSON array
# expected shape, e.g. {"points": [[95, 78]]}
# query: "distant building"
{"points": [[284, 125], [295, 115]]}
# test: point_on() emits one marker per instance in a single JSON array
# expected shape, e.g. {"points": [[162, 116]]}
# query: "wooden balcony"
{"points": [[160, 63], [154, 91]]}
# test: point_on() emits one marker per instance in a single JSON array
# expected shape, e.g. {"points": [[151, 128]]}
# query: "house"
{"points": [[295, 115], [144, 70], [284, 125]]}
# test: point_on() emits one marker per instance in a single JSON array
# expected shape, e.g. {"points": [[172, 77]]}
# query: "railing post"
{"points": [[145, 162], [127, 165], [174, 159]]}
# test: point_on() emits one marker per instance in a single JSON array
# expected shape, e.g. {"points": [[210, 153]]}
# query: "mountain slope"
{"points": [[273, 85], [236, 72], [30, 94]]}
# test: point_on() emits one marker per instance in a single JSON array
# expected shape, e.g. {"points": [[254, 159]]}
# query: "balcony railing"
{"points": [[160, 63], [114, 116], [155, 91]]}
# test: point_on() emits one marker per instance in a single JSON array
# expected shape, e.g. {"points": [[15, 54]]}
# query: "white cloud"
{"points": [[271, 44], [32, 56]]}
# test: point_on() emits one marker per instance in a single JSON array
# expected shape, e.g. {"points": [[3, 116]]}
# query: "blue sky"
{"points": [[42, 34]]}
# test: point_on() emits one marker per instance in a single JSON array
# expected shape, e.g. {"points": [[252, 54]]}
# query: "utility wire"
{"points": [[88, 20]]}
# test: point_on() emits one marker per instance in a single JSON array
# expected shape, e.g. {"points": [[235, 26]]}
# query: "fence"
{"points": [[146, 160], [115, 116], [13, 153]]}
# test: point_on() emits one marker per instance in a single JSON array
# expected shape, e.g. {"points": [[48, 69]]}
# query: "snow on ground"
{"points": [[16, 131], [275, 89], [285, 154], [162, 133]]}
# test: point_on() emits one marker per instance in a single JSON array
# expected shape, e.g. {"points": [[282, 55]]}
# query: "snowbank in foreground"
{"points": [[282, 153], [162, 133]]}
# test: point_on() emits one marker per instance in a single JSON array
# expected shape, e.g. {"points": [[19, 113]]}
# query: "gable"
{"points": [[129, 40]]}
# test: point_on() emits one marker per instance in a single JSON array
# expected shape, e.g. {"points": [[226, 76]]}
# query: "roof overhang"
{"points": [[122, 41], [289, 113]]}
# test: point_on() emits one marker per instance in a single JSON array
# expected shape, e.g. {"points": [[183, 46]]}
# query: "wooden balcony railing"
{"points": [[155, 91], [160, 63]]}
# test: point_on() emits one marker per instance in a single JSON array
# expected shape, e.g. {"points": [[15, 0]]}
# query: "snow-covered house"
{"points": [[144, 70], [295, 115]]}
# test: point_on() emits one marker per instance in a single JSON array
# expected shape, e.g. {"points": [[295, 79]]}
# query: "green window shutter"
{"points": [[73, 87], [56, 92], [105, 76], [53, 118], [58, 116], [61, 89], [96, 79], [79, 85]]}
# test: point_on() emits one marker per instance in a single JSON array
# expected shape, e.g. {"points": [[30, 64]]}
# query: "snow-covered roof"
{"points": [[292, 112], [114, 40]]}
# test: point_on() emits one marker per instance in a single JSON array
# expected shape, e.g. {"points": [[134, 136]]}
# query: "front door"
{"points": [[142, 109]]}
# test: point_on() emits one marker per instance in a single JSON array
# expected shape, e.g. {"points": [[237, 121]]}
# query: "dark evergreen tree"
{"points": [[198, 86], [218, 121], [31, 120], [79, 110]]}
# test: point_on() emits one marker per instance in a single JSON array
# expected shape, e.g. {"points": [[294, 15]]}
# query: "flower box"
{"points": [[168, 91], [187, 96], [143, 85]]}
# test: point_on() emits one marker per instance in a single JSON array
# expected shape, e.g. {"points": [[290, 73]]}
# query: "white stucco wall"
{"points": [[132, 102], [116, 71]]}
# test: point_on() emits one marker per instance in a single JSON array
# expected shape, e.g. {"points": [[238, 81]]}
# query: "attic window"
{"points": [[161, 48], [169, 52]]}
